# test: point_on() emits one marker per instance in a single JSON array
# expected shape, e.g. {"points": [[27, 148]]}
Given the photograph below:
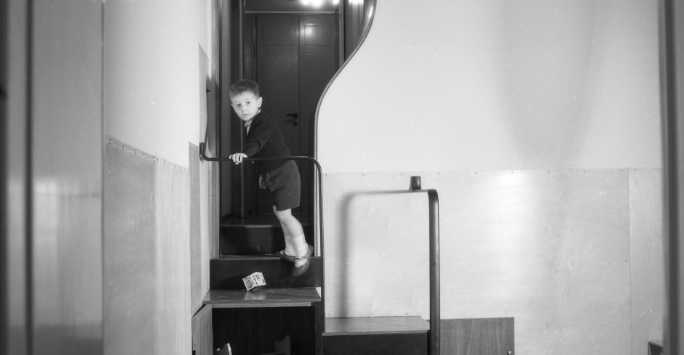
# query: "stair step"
{"points": [[248, 238], [263, 298], [375, 325], [376, 335], [227, 272]]}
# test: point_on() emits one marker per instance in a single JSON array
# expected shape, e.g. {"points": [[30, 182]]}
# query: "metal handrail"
{"points": [[435, 317], [433, 211], [319, 178]]}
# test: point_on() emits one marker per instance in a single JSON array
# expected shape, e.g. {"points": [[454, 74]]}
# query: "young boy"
{"points": [[280, 177]]}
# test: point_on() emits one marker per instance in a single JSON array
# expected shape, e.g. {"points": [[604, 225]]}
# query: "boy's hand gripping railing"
{"points": [[319, 179]]}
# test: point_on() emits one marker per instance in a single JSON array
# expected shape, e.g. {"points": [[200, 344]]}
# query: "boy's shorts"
{"points": [[284, 183]]}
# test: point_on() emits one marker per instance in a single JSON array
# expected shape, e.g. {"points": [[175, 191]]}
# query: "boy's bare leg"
{"points": [[287, 237], [289, 246], [292, 229]]}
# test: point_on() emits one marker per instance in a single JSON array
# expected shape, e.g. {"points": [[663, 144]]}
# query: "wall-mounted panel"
{"points": [[147, 254], [130, 256]]}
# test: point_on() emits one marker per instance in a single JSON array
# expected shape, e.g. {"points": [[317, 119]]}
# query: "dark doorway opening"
{"points": [[292, 48]]}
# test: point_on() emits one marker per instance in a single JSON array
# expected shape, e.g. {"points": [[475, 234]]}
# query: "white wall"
{"points": [[150, 75], [539, 124], [492, 85], [160, 207]]}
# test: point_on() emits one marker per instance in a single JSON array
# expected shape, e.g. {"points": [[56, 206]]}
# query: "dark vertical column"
{"points": [[357, 19], [227, 73], [435, 314], [65, 192], [672, 79], [14, 255], [225, 62], [4, 319]]}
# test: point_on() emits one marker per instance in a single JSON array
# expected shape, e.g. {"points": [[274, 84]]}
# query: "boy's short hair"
{"points": [[244, 85]]}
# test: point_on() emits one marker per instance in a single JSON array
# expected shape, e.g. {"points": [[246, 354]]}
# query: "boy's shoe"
{"points": [[301, 269]]}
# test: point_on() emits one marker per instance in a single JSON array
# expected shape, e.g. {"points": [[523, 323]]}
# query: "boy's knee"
{"points": [[281, 215]]}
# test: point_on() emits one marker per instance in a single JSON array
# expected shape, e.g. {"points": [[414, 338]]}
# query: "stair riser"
{"points": [[254, 331], [376, 344], [249, 240], [227, 274]]}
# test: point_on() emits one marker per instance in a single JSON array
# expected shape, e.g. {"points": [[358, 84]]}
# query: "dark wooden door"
{"points": [[277, 71], [292, 56]]}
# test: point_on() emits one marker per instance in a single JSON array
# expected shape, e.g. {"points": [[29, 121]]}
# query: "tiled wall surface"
{"points": [[573, 255], [147, 255]]}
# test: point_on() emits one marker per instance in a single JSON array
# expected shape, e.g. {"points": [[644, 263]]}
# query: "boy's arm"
{"points": [[259, 137]]}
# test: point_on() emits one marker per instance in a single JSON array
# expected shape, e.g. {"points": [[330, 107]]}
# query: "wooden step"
{"points": [[248, 238], [376, 335], [263, 298], [227, 272]]}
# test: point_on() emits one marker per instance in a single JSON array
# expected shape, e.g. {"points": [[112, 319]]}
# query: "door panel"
{"points": [[292, 57], [278, 74], [318, 54]]}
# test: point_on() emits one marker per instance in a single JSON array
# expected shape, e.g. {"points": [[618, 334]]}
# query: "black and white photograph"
{"points": [[341, 177]]}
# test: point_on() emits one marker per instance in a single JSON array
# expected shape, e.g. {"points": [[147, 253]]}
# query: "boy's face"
{"points": [[246, 105]]}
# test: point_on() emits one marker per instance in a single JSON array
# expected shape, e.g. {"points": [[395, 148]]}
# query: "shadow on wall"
{"points": [[555, 88], [345, 243]]}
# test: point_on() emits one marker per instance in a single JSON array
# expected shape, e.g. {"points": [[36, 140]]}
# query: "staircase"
{"points": [[290, 310], [255, 235], [288, 307], [252, 321]]}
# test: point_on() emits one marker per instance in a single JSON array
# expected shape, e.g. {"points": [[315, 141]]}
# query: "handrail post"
{"points": [[435, 318]]}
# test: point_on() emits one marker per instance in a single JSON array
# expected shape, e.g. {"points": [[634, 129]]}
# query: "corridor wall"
{"points": [[63, 165], [160, 208], [112, 213], [539, 124]]}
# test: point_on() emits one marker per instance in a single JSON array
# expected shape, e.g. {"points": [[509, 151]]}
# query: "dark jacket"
{"points": [[265, 140]]}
